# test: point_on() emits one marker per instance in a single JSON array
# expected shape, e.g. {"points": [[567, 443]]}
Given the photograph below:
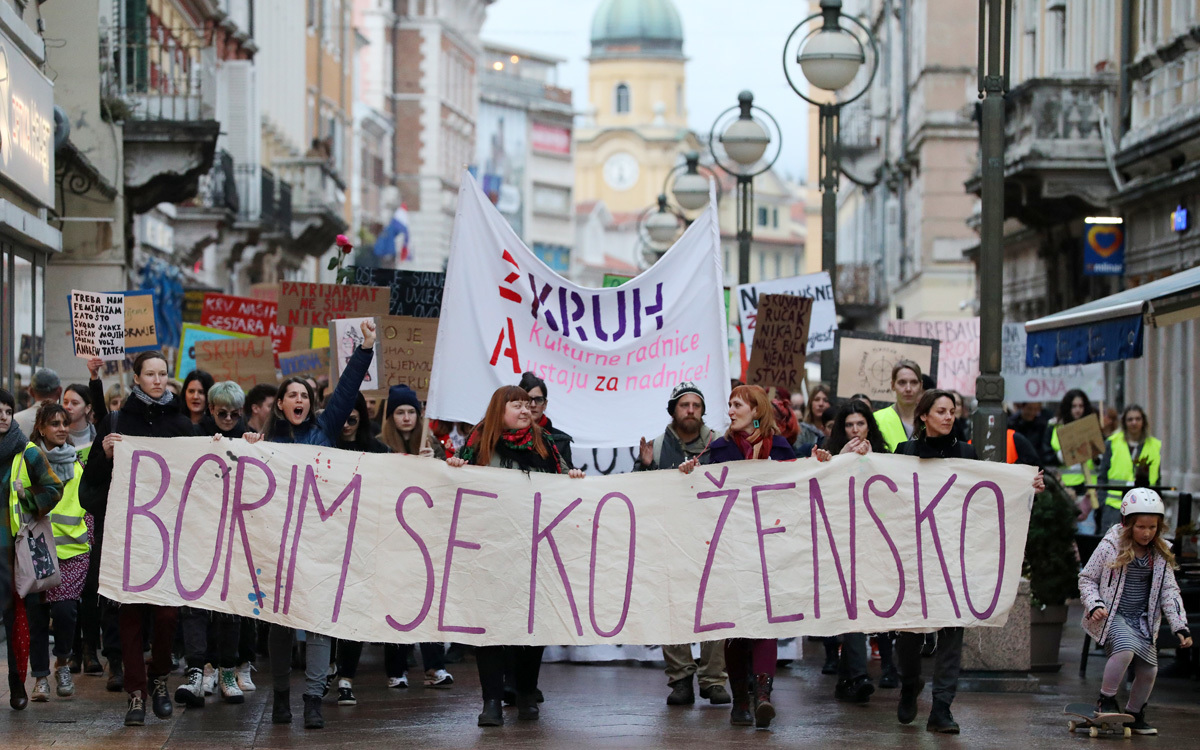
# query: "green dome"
{"points": [[637, 28]]}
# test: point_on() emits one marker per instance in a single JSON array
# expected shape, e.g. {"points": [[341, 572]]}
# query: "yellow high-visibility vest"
{"points": [[1120, 467], [66, 518], [891, 427]]}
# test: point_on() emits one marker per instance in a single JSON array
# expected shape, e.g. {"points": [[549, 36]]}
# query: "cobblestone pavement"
{"points": [[594, 706]]}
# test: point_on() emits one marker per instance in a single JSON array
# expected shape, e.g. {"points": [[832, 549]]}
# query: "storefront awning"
{"points": [[1111, 328]]}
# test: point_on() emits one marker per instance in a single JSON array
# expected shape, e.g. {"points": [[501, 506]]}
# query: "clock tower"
{"points": [[636, 124]]}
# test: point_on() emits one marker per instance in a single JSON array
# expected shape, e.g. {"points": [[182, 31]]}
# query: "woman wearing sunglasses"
{"points": [[225, 402]]}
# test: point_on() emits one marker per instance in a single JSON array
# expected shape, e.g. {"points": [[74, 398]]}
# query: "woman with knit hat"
{"points": [[402, 428]]}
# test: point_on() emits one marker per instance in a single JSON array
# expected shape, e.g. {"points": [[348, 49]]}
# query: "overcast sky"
{"points": [[730, 46]]}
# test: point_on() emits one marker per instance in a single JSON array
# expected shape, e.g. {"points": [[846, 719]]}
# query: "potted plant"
{"points": [[1052, 567]]}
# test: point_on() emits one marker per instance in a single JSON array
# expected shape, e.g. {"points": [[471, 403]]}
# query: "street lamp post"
{"points": [[829, 58], [744, 144], [989, 423], [688, 184], [657, 228]]}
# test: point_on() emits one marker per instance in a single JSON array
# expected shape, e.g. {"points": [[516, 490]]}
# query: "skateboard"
{"points": [[1095, 723]]}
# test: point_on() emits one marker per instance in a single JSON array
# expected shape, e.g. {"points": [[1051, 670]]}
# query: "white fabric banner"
{"points": [[821, 327], [399, 548], [609, 356]]}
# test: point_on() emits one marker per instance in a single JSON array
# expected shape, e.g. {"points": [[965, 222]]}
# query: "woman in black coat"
{"points": [[150, 411]]}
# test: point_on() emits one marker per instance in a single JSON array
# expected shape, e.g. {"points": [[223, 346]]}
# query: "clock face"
{"points": [[621, 171]]}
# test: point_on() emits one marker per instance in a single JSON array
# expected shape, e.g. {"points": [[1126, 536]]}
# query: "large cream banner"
{"points": [[609, 356], [400, 548]]}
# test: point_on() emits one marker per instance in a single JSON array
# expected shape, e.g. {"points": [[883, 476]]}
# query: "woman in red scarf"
{"points": [[508, 438], [752, 434]]}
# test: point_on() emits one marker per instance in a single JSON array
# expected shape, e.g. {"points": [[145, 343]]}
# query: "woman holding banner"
{"points": [[752, 435], [294, 420], [933, 438], [508, 438], [150, 411]]}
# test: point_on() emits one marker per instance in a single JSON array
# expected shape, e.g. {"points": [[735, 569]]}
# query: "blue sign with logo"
{"points": [[1104, 250]]}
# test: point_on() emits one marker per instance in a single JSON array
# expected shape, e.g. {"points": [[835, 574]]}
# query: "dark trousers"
{"points": [[40, 614], [947, 661], [853, 661], [526, 662], [131, 618], [87, 636], [395, 657], [110, 630], [750, 656], [247, 640], [346, 654], [210, 637]]}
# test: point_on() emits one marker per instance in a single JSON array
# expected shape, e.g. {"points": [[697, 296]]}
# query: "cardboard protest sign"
{"points": [[416, 294], [304, 363], [192, 335], [958, 355], [823, 323], [246, 361], [346, 335], [395, 548], [865, 360], [1046, 384], [1081, 440], [141, 335], [778, 358], [253, 317], [98, 324], [315, 305], [405, 352], [193, 305]]}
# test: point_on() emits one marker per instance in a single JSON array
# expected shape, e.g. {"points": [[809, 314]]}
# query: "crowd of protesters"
{"points": [[57, 458]]}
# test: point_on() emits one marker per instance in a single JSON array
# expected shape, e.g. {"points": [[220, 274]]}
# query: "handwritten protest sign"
{"points": [[253, 317], [823, 323], [346, 336], [1081, 441], [98, 324], [315, 305], [778, 360], [304, 363], [1046, 384], [193, 304], [405, 352], [958, 355], [395, 548], [865, 360], [601, 351], [416, 294], [141, 334], [191, 336], [247, 361]]}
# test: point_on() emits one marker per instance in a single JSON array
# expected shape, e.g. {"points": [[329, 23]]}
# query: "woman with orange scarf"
{"points": [[752, 434]]}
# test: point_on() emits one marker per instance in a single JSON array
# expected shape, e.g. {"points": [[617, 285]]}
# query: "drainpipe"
{"points": [[902, 163], [1126, 58]]}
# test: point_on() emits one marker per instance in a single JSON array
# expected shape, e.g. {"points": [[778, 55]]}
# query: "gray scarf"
{"points": [[145, 398], [11, 443], [62, 460]]}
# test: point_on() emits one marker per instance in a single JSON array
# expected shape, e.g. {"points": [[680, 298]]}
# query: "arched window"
{"points": [[622, 98]]}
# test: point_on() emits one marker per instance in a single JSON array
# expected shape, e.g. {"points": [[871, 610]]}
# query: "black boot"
{"points": [[831, 655], [857, 690], [739, 715], [1107, 704], [716, 694], [907, 710], [1139, 725], [941, 720], [527, 707], [682, 693], [281, 709], [91, 662], [764, 712], [312, 712], [17, 697], [116, 677], [160, 699], [492, 714], [889, 679]]}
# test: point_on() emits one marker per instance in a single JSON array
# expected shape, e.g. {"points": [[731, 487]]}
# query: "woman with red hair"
{"points": [[753, 434]]}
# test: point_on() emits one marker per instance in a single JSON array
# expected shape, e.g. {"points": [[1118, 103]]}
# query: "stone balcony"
{"points": [[318, 202]]}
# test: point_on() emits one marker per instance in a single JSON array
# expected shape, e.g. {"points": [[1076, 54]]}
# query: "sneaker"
{"points": [[875, 650], [682, 693], [41, 690], [398, 682], [438, 678], [135, 716], [210, 679], [243, 677], [66, 683], [717, 695], [160, 699], [227, 683], [1107, 704], [1139, 724], [190, 692], [346, 693]]}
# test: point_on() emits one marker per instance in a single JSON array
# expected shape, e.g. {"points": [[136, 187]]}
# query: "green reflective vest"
{"points": [[891, 427], [66, 518], [1120, 467], [1069, 476]]}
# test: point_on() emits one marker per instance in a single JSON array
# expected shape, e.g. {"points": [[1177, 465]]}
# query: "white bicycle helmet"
{"points": [[1142, 500]]}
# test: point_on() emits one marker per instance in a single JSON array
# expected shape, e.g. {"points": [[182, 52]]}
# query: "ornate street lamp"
{"points": [[830, 57], [690, 188], [658, 227]]}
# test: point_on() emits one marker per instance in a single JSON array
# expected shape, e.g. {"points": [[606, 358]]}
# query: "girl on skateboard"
{"points": [[1126, 588]]}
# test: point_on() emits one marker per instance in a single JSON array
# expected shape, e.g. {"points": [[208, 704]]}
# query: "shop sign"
{"points": [[26, 124]]}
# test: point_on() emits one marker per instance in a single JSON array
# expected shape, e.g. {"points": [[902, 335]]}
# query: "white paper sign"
{"points": [[1045, 384], [610, 357], [98, 325], [347, 336], [397, 548], [821, 327]]}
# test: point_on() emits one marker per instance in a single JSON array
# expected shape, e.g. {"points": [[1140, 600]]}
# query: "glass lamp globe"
{"points": [[662, 228], [691, 191], [745, 141], [831, 58]]}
